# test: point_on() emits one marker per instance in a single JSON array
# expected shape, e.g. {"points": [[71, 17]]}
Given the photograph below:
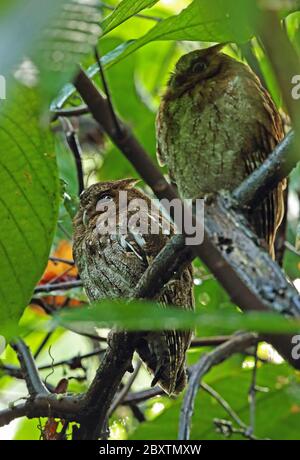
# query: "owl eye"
{"points": [[199, 67], [103, 200]]}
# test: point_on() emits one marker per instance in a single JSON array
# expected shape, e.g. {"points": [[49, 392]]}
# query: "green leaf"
{"points": [[55, 35], [28, 202], [277, 413], [22, 24], [219, 21], [125, 10], [138, 315], [122, 80]]}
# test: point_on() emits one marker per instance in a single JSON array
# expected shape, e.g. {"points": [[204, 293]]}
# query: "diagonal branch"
{"points": [[29, 370], [74, 145], [236, 344], [277, 166]]}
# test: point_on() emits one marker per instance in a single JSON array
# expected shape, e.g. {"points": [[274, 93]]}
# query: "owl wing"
{"points": [[267, 217], [163, 352]]}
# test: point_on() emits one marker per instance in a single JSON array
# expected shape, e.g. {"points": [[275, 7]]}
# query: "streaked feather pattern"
{"points": [[111, 265]]}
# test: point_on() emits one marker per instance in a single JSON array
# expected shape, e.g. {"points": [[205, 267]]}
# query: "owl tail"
{"points": [[167, 373], [172, 385]]}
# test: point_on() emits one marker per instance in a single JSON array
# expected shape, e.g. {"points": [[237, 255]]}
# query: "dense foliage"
{"points": [[139, 43]]}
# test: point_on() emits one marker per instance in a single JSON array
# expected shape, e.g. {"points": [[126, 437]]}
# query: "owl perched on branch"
{"points": [[112, 251], [216, 124]]}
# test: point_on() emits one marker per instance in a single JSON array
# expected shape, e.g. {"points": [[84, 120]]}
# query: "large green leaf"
{"points": [[218, 21], [21, 27], [125, 10], [56, 36], [28, 201], [138, 315]]}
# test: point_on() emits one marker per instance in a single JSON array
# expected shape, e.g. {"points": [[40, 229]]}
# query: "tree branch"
{"points": [[99, 397], [74, 145], [29, 370], [276, 167], [57, 286], [236, 344]]}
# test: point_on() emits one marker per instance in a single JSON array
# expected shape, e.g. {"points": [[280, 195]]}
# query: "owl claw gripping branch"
{"points": [[111, 263]]}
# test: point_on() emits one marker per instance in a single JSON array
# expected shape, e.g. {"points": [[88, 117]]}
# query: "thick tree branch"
{"points": [[99, 397], [90, 409], [173, 257]]}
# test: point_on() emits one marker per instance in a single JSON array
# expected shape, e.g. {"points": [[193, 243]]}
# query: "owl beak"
{"points": [[85, 218], [215, 49]]}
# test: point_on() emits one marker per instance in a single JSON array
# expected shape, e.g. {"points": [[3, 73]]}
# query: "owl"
{"points": [[215, 125], [117, 234]]}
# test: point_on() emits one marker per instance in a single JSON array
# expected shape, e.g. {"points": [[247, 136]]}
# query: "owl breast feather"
{"points": [[201, 141]]}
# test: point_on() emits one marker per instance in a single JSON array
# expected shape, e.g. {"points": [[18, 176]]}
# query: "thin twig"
{"points": [[42, 344], [30, 372], [60, 275], [252, 395], [40, 303], [125, 390], [58, 286], [141, 396], [234, 345], [72, 363], [291, 248], [210, 341], [60, 259], [226, 406], [73, 143], [117, 125], [226, 428], [69, 112]]}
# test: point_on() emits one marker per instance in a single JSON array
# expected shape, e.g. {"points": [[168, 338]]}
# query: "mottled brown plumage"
{"points": [[110, 265], [215, 125]]}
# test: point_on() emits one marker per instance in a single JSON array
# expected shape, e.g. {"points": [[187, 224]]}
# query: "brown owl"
{"points": [[114, 243], [215, 125]]}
